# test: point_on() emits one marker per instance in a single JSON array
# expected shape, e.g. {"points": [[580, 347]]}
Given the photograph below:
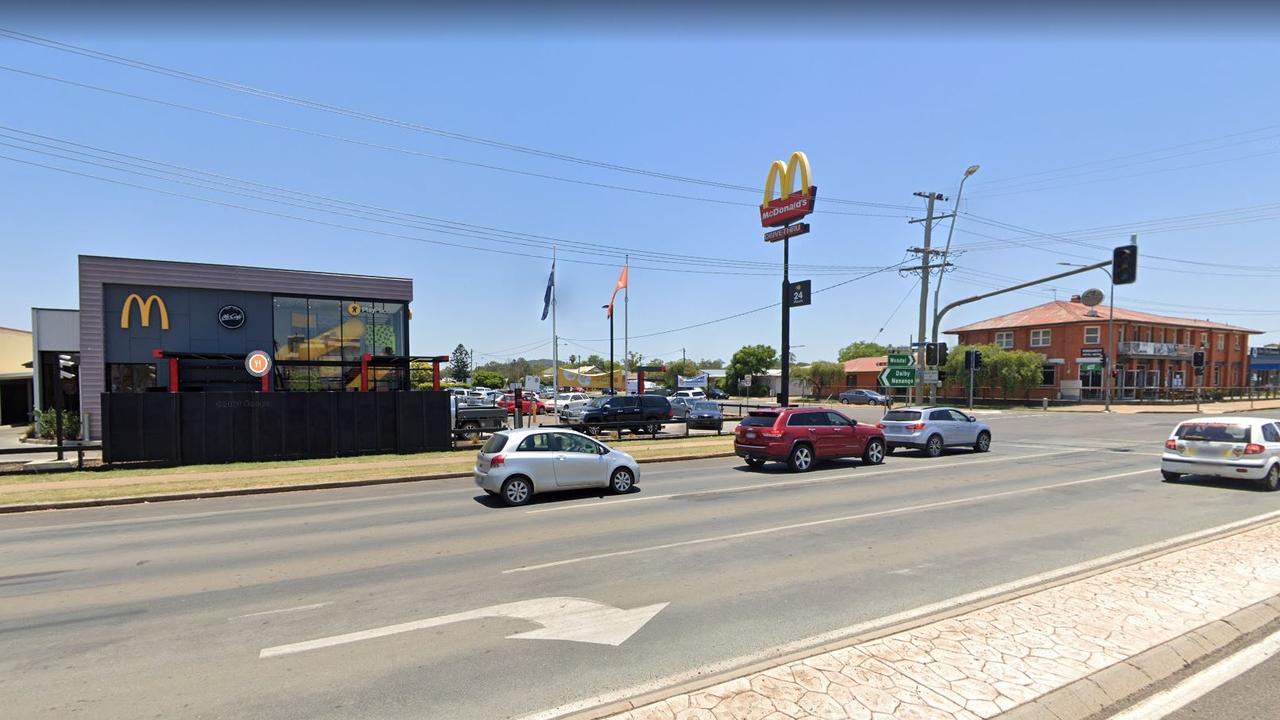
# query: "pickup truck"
{"points": [[468, 422]]}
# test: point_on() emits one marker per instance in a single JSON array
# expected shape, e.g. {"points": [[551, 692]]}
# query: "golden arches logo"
{"points": [[144, 310], [785, 174]]}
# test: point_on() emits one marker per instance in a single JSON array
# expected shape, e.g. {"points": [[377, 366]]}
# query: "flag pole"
{"points": [[626, 324], [555, 339]]}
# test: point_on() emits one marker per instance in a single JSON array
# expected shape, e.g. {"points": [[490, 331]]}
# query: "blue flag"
{"points": [[546, 298]]}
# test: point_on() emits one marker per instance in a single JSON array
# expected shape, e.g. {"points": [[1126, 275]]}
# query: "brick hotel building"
{"points": [[1154, 352]]}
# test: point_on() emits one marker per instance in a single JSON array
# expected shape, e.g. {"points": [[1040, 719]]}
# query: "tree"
{"points": [[750, 360], [677, 368], [596, 360], [861, 349], [825, 375], [1013, 372], [460, 364], [420, 375], [716, 364], [489, 378]]}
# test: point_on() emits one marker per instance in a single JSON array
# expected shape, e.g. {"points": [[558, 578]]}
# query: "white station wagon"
{"points": [[1224, 447]]}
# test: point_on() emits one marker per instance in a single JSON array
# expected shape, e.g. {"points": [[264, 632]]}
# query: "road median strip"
{"points": [[1110, 630]]}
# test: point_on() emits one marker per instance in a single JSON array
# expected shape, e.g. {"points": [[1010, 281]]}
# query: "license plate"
{"points": [[751, 436]]}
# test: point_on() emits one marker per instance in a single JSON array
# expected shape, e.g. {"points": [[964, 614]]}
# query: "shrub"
{"points": [[47, 424]]}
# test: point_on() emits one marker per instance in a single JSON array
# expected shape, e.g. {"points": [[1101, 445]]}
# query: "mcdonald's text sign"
{"points": [[791, 203]]}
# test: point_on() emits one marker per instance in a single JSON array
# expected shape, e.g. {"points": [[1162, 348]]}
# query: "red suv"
{"points": [[802, 436]]}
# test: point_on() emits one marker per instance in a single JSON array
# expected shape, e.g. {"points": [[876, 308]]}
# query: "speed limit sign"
{"points": [[258, 363]]}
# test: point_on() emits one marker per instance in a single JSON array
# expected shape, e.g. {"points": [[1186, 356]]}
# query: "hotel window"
{"points": [[1220, 341], [1049, 375], [1092, 335], [1040, 338], [1186, 337], [1204, 340], [1217, 375], [1004, 339], [1235, 342]]}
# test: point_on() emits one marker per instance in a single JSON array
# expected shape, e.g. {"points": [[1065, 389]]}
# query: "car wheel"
{"points": [[471, 430], [655, 428], [874, 453], [801, 458], [933, 446], [593, 429], [984, 442], [755, 462], [517, 491], [1170, 476], [1271, 481], [844, 401], [621, 481]]}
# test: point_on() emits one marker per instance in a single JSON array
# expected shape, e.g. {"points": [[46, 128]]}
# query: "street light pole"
{"points": [[946, 253]]}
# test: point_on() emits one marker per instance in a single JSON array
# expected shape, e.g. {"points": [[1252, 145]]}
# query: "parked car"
{"points": [[1237, 448], [528, 402], [608, 391], [932, 429], [637, 413], [515, 465], [802, 436], [705, 415], [717, 394], [695, 393], [862, 397], [680, 407], [566, 400]]}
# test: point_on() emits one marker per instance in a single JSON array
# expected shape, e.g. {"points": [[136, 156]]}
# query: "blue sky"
{"points": [[1073, 132]]}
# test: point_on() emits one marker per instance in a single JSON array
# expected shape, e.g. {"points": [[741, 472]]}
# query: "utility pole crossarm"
{"points": [[965, 301]]}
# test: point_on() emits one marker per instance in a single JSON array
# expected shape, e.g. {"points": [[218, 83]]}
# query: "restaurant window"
{"points": [[1040, 338], [1049, 375], [319, 342], [1004, 339], [132, 377], [1092, 335]]}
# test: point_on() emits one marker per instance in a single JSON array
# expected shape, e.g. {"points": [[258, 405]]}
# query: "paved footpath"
{"points": [[985, 662]]}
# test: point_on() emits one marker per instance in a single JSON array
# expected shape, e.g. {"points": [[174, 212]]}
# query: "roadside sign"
{"points": [[257, 363], [898, 376], [789, 231], [902, 361], [531, 383], [1090, 367], [929, 376], [798, 293], [1091, 352]]}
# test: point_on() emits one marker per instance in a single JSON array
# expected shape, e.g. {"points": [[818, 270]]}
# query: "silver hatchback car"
{"points": [[932, 429], [517, 464], [1225, 447]]}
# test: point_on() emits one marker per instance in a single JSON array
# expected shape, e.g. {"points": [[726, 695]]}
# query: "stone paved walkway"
{"points": [[982, 663]]}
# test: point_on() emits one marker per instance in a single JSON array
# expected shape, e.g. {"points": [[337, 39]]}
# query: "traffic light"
{"points": [[931, 354], [972, 359], [1124, 264], [941, 352], [1197, 360]]}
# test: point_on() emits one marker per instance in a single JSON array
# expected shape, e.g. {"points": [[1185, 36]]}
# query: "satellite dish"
{"points": [[1091, 297]]}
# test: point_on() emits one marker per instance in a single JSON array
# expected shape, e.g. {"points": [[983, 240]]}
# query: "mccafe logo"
{"points": [[231, 317]]}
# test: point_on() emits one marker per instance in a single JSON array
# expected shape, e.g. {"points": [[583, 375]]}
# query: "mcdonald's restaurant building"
{"points": [[152, 327]]}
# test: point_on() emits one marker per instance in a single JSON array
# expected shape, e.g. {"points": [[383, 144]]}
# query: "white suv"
{"points": [[1236, 447], [695, 393]]}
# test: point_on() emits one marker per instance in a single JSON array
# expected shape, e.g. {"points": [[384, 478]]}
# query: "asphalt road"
{"points": [[1253, 695], [162, 610]]}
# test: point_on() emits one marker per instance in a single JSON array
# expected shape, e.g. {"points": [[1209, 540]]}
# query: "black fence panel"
{"points": [[190, 428]]}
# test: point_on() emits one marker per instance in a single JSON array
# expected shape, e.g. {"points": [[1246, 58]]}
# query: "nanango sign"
{"points": [[791, 204], [144, 310]]}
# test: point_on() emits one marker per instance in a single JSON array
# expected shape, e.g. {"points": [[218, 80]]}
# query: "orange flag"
{"points": [[622, 282]]}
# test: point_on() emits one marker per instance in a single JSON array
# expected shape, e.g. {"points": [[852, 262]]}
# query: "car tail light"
{"points": [[771, 435], [671, 412], [1170, 444], [916, 426], [497, 461], [1254, 449]]}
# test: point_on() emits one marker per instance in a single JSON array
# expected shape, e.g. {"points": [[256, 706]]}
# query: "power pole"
{"points": [[926, 254]]}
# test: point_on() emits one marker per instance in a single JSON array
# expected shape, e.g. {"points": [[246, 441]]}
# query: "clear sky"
{"points": [[1083, 137]]}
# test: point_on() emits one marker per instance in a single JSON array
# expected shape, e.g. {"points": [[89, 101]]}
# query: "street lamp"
{"points": [[1111, 354], [937, 290]]}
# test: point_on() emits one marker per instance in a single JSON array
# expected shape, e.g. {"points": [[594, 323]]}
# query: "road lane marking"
{"points": [[560, 618], [1202, 683], [851, 631], [805, 481], [1120, 449], [300, 608], [825, 521]]}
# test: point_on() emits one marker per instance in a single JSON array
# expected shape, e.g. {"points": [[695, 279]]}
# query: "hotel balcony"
{"points": [[1173, 351]]}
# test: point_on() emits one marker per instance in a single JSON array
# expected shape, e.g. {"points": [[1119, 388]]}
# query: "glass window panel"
{"points": [[290, 328]]}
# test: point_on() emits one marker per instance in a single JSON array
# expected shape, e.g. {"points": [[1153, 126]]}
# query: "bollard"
{"points": [[1044, 403]]}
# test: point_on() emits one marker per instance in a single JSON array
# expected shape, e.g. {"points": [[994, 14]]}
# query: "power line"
{"points": [[393, 122]]}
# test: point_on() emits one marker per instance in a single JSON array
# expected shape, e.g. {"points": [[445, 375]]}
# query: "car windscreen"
{"points": [[495, 444], [758, 421], [902, 415], [706, 407], [598, 402], [1214, 432]]}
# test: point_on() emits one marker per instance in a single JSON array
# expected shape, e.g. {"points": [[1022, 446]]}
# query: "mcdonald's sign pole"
{"points": [[790, 205]]}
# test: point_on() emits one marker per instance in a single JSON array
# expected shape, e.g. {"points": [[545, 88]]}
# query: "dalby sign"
{"points": [[791, 203]]}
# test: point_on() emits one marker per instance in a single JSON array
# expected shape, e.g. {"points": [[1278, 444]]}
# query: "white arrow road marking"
{"points": [[561, 618]]}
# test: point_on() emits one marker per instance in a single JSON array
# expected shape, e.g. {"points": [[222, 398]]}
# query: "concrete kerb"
{"points": [[1082, 696], [1086, 698], [270, 489]]}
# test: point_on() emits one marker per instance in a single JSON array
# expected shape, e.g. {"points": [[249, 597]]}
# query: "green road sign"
{"points": [[901, 361], [898, 377], [1090, 367]]}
